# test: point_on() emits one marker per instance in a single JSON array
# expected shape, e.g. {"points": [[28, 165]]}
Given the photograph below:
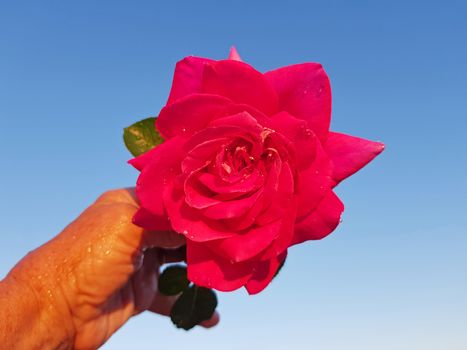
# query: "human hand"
{"points": [[96, 274]]}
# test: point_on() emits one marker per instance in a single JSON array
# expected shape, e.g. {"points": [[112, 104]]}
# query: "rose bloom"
{"points": [[247, 168]]}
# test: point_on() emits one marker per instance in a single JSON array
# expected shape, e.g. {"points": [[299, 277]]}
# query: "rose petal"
{"points": [[241, 83], [198, 196], [189, 221], [149, 221], [321, 222], [264, 273], [246, 221], [304, 91], [248, 184], [163, 166], [206, 269], [232, 208], [189, 114], [273, 165], [224, 131], [202, 154], [277, 196], [144, 159], [244, 246], [314, 182], [187, 77], [233, 54], [297, 131], [287, 229], [349, 154], [261, 118], [243, 120]]}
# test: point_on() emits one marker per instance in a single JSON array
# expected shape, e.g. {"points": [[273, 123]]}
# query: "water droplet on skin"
{"points": [[183, 129], [185, 232], [192, 236], [107, 252], [73, 237], [341, 220], [316, 172], [89, 249]]}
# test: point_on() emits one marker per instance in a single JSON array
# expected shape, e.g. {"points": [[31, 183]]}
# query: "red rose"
{"points": [[247, 167]]}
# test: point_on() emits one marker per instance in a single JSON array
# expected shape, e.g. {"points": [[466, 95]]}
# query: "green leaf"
{"points": [[173, 280], [195, 305], [142, 136]]}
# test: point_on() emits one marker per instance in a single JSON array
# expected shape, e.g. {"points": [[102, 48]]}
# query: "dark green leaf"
{"points": [[173, 280], [195, 305], [141, 136]]}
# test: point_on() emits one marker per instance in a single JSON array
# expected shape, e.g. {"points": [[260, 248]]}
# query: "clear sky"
{"points": [[394, 274]]}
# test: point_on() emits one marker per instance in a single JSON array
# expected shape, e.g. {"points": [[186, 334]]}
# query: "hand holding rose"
{"points": [[75, 291]]}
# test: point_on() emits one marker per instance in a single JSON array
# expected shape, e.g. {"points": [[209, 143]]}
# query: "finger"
{"points": [[122, 195], [163, 239], [167, 256], [144, 281], [162, 304], [213, 321]]}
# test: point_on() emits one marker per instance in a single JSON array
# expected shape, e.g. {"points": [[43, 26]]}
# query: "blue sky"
{"points": [[394, 274]]}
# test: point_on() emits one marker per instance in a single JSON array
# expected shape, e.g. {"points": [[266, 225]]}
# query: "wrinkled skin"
{"points": [[247, 169], [89, 280]]}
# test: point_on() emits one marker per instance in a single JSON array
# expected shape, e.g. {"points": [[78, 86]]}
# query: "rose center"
{"points": [[236, 158]]}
